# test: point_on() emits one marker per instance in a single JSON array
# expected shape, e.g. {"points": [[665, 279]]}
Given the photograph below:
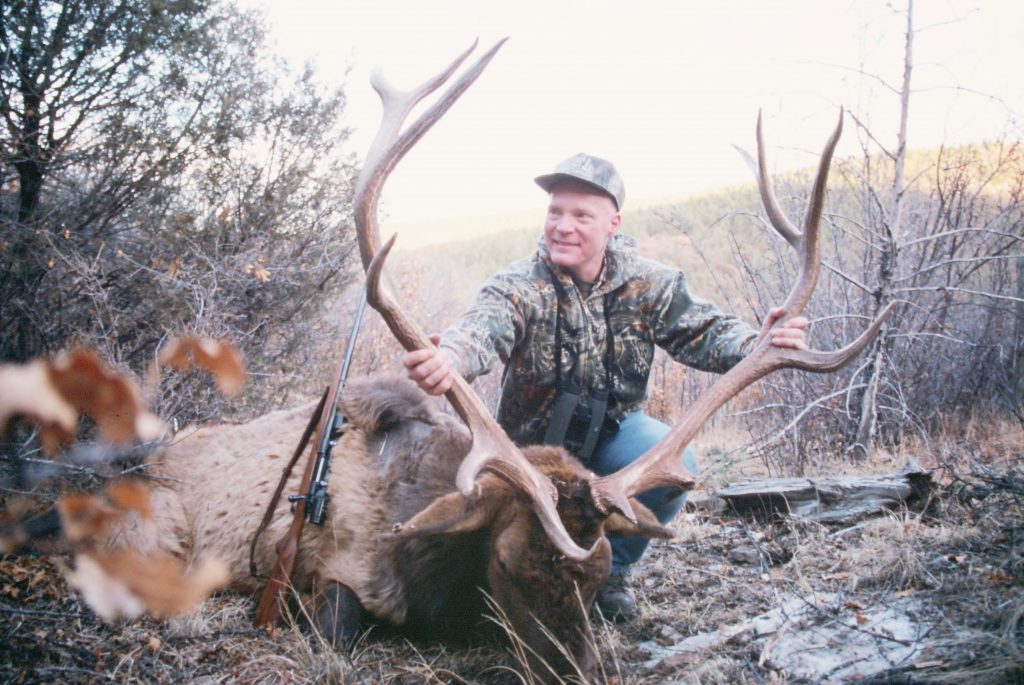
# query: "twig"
{"points": [[27, 493], [943, 288], [40, 612], [874, 633], [839, 667], [44, 670]]}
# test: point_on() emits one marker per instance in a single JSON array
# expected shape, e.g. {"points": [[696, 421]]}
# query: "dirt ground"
{"points": [[911, 596]]}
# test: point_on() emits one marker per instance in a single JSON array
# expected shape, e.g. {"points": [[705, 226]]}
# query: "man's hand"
{"points": [[791, 334], [431, 369]]}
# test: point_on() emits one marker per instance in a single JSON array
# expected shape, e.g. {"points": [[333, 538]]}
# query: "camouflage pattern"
{"points": [[513, 319], [593, 170]]}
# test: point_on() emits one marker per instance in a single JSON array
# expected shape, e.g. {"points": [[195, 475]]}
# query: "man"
{"points": [[575, 326]]}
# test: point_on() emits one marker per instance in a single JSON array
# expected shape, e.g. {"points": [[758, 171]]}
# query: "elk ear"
{"points": [[453, 513], [646, 526]]}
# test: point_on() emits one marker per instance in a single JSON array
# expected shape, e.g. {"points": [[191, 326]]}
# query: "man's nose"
{"points": [[564, 224]]}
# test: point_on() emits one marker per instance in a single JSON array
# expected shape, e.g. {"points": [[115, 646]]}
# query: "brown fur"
{"points": [[397, 460]]}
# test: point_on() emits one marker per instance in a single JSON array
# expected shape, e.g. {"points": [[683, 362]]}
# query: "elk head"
{"points": [[545, 583], [538, 591]]}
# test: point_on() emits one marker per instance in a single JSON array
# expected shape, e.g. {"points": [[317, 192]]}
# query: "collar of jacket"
{"points": [[619, 262]]}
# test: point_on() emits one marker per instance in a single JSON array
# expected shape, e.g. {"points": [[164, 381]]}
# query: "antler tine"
{"points": [[759, 168], [390, 144], [491, 449], [661, 465], [801, 292]]}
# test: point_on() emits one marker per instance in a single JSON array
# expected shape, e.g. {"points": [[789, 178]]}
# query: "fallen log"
{"points": [[834, 499], [819, 638]]}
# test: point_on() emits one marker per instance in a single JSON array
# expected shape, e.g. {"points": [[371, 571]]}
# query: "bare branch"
{"points": [[943, 288], [961, 231], [807, 408], [867, 131], [958, 260]]}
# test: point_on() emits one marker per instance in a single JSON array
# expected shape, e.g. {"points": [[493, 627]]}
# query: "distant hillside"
{"points": [[697, 234], [442, 231], [676, 233]]}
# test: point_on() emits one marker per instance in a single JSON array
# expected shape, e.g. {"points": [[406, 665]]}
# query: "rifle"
{"points": [[312, 505]]}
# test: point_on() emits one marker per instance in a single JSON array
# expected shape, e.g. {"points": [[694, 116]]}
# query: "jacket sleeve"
{"points": [[696, 333], [490, 329]]}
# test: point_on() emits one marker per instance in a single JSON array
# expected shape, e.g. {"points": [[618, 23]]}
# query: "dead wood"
{"points": [[833, 499]]}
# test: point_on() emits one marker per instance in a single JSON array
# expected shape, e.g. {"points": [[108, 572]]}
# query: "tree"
{"points": [[942, 247], [160, 172], [888, 210], [939, 234]]}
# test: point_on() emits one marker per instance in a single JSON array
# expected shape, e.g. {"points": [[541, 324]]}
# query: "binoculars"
{"points": [[576, 423]]}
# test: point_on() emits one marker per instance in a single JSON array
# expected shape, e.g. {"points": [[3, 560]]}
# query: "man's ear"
{"points": [[615, 222]]}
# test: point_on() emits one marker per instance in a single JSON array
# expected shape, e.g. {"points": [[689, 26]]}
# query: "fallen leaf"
{"points": [[109, 398], [149, 427], [84, 516], [125, 583], [27, 390], [218, 357], [107, 596], [129, 495], [37, 579]]}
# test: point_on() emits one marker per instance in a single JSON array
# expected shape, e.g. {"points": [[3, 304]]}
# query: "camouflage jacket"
{"points": [[513, 319]]}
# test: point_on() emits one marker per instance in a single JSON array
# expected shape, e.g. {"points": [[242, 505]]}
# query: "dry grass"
{"points": [[963, 444], [961, 565]]}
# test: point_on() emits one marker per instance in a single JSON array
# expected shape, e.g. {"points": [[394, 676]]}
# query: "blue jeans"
{"points": [[638, 433]]}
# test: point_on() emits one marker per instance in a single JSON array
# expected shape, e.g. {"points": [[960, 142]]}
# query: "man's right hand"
{"points": [[431, 369]]}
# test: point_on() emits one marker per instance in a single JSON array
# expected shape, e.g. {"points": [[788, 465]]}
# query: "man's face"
{"points": [[579, 224]]}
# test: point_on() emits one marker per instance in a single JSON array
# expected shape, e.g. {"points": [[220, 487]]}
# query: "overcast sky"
{"points": [[661, 88]]}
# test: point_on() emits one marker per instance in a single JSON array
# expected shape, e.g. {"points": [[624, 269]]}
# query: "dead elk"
{"points": [[394, 468]]}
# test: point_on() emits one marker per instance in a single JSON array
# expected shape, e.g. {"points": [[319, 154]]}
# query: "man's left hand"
{"points": [[792, 333]]}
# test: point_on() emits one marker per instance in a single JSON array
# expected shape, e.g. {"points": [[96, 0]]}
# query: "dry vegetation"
{"points": [[927, 594], [955, 570], [936, 593], [953, 573]]}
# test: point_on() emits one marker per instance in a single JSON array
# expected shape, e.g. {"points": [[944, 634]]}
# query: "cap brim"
{"points": [[547, 182]]}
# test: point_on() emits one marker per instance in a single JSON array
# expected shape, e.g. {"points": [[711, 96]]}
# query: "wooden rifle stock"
{"points": [[268, 611], [275, 593]]}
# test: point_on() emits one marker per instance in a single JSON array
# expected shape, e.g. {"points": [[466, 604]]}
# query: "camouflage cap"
{"points": [[593, 171]]}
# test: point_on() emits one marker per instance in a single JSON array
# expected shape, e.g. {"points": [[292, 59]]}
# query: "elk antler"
{"points": [[492, 449], [662, 465]]}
